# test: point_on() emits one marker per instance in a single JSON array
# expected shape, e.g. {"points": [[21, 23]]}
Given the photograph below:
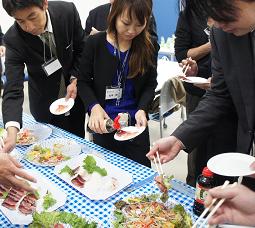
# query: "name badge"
{"points": [[51, 66], [113, 93]]}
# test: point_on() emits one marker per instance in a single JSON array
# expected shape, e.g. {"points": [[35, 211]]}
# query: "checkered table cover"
{"points": [[102, 210]]}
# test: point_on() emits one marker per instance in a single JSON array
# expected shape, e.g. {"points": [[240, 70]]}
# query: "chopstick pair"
{"points": [[158, 165], [184, 69], [215, 208]]}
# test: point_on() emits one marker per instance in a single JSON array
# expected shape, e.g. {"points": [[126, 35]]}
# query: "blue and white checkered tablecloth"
{"points": [[80, 204]]}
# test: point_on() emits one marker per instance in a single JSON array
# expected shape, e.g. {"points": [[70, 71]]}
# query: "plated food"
{"points": [[52, 152], [61, 106], [18, 205], [127, 133], [60, 219], [148, 211], [33, 133], [25, 137], [94, 177]]}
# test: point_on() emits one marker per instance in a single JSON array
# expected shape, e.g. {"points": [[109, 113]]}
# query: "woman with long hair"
{"points": [[118, 74]]}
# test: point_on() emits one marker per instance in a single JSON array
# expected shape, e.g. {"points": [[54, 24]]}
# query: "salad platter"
{"points": [[149, 211], [18, 205], [92, 176], [52, 152], [33, 133]]}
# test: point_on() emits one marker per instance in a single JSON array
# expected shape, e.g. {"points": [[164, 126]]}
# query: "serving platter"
{"points": [[96, 187]]}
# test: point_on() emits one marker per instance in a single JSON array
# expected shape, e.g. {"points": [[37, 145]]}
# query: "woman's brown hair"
{"points": [[142, 49]]}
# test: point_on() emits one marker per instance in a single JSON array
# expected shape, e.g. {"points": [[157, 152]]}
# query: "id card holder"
{"points": [[113, 93], [51, 66]]}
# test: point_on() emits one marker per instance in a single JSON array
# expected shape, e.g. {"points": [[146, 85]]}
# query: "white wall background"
{"points": [[83, 6]]}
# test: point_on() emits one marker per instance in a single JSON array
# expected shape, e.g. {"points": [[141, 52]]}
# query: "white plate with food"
{"points": [[18, 205], [61, 106], [149, 211], [92, 176], [52, 152], [33, 133], [193, 80], [231, 164], [127, 133]]}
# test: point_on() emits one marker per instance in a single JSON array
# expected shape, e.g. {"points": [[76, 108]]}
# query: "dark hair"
{"points": [[11, 6], [142, 49], [219, 10]]}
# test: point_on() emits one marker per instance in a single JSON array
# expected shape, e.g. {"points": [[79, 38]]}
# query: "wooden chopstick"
{"points": [[215, 208], [160, 166], [185, 71], [208, 208], [156, 164]]}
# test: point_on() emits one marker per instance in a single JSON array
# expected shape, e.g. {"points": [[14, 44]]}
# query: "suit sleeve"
{"points": [[85, 79], [13, 95], [148, 90], [88, 25], [78, 42], [1, 36], [183, 38], [215, 104]]}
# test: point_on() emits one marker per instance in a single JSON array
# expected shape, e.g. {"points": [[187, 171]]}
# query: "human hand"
{"points": [[238, 208], [93, 31], [71, 90], [141, 120], [10, 140], [97, 119], [10, 169], [252, 166], [192, 69], [2, 51], [168, 148]]}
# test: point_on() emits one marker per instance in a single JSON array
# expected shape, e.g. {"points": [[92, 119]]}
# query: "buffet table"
{"points": [[76, 202]]}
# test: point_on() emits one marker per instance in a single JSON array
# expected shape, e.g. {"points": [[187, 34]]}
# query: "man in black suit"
{"points": [[48, 38], [233, 81], [97, 21]]}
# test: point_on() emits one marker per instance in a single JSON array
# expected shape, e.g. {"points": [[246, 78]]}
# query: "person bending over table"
{"points": [[232, 84], [48, 38], [120, 59]]}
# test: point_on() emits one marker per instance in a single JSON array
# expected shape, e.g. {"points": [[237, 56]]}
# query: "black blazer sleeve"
{"points": [[88, 24], [1, 36], [78, 42], [85, 79], [216, 103]]}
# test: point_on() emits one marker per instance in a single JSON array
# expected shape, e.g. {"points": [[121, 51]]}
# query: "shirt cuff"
{"points": [[72, 78], [12, 124]]}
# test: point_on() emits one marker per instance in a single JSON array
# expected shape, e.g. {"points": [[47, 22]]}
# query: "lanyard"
{"points": [[120, 71]]}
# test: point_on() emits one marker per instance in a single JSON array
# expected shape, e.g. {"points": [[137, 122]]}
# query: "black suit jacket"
{"points": [[24, 48], [98, 19], [98, 69], [233, 89]]}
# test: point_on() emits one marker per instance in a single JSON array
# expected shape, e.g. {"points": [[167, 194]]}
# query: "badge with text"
{"points": [[51, 66], [113, 93]]}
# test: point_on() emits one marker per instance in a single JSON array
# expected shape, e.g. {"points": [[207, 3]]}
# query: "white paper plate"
{"points": [[70, 148], [40, 131], [231, 164], [99, 191], [194, 80], [62, 101], [43, 185], [132, 132]]}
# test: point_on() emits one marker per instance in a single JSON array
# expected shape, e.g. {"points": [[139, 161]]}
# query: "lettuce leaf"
{"points": [[90, 164]]}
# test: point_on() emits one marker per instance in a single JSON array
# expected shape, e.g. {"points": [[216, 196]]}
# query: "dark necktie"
{"points": [[48, 39]]}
